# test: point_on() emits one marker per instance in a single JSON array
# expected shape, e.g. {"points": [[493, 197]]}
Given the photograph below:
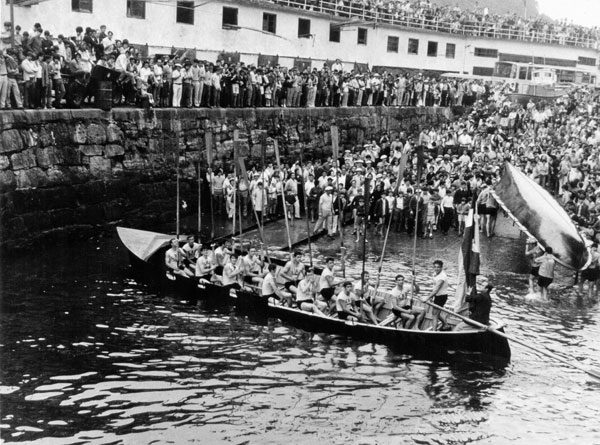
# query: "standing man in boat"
{"points": [[305, 295], [439, 293], [174, 260], [292, 272], [546, 272]]}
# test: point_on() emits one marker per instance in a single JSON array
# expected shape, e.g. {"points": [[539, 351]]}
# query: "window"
{"points": [[483, 71], [362, 36], [136, 9], [334, 33], [486, 52], [230, 16], [303, 28], [432, 49], [392, 45], [81, 5], [587, 61], [413, 46], [450, 50], [185, 12], [269, 23]]}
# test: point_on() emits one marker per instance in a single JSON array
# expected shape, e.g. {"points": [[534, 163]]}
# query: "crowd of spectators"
{"points": [[43, 71], [453, 19]]}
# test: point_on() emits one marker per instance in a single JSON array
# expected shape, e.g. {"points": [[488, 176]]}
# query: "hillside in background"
{"points": [[495, 6]]}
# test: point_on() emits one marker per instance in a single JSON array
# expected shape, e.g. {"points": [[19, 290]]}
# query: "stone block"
{"points": [[10, 141], [4, 162], [91, 150], [31, 178], [46, 137], [78, 134], [100, 166], [113, 133], [113, 150], [47, 157], [57, 176], [22, 160], [96, 134], [8, 181]]}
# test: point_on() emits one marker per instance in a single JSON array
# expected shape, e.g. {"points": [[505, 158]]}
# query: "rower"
{"points": [[344, 304], [232, 272], [292, 272], [191, 249], [204, 266], [252, 267], [222, 253], [174, 260], [439, 294], [305, 295], [365, 292], [326, 285], [269, 286], [402, 304]]}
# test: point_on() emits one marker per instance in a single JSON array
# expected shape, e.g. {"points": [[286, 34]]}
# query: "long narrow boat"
{"points": [[146, 252]]}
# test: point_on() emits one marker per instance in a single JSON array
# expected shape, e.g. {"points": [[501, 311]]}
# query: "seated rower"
{"points": [[174, 260], [480, 305], [344, 303], [305, 295], [191, 249], [222, 253], [292, 272], [232, 272], [364, 291], [252, 266], [327, 287], [269, 286], [204, 266], [402, 304]]}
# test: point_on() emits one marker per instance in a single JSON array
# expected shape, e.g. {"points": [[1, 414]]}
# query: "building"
{"points": [[304, 33]]}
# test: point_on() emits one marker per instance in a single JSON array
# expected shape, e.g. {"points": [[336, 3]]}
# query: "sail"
{"points": [[539, 215]]}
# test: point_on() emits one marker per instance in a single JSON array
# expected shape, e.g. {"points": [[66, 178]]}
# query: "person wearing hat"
{"points": [[177, 80]]}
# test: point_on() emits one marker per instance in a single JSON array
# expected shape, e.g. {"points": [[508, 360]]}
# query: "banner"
{"points": [[208, 144], [302, 64], [335, 141], [267, 61]]}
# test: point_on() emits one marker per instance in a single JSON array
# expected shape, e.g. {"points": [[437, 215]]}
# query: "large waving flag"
{"points": [[468, 261]]}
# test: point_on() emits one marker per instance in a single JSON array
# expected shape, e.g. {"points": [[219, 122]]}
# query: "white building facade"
{"points": [[251, 27]]}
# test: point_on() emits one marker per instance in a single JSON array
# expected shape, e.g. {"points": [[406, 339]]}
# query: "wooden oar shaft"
{"points": [[467, 320]]}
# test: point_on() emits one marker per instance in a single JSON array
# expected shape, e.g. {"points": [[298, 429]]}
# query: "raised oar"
{"points": [[595, 374], [306, 215], [285, 213]]}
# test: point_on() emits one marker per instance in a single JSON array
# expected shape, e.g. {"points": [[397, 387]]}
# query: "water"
{"points": [[90, 356]]}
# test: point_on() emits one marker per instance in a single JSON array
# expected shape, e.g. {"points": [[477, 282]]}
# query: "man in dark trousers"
{"points": [[480, 305], [382, 212]]}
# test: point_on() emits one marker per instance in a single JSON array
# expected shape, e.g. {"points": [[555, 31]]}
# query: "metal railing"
{"points": [[493, 30]]}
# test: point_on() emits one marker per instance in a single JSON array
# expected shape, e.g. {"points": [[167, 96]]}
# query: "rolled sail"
{"points": [[538, 214]]}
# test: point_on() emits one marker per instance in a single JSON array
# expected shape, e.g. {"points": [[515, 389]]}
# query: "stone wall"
{"points": [[76, 171]]}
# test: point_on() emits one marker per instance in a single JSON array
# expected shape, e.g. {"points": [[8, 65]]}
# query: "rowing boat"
{"points": [[146, 252]]}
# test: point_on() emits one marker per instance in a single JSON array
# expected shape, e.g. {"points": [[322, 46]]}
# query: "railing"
{"points": [[407, 20]]}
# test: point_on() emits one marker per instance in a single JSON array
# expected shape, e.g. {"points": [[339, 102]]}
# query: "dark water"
{"points": [[90, 356]]}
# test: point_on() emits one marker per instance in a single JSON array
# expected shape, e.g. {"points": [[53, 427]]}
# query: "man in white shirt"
{"points": [[439, 293], [325, 212]]}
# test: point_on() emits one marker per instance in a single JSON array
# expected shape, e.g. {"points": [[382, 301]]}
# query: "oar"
{"points": [[570, 363]]}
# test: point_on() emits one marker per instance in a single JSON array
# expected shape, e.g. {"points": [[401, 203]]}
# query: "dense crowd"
{"points": [[453, 19], [42, 71]]}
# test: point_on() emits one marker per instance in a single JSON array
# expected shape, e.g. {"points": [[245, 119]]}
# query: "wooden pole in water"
{"points": [[364, 244], [199, 202], [401, 168], [285, 214], [177, 186], [335, 148], [306, 210]]}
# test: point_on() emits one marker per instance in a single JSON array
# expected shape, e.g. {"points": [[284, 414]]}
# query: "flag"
{"points": [[335, 141], [420, 162], [208, 143], [468, 260]]}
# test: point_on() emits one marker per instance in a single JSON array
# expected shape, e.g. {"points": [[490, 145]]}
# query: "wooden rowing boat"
{"points": [[146, 252]]}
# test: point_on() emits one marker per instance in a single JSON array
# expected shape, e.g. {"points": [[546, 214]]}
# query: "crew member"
{"points": [[174, 260], [480, 305], [292, 272], [305, 295], [439, 294], [546, 272], [344, 304], [204, 266]]}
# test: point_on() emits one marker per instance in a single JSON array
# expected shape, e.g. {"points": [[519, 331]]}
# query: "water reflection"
{"points": [[88, 355]]}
